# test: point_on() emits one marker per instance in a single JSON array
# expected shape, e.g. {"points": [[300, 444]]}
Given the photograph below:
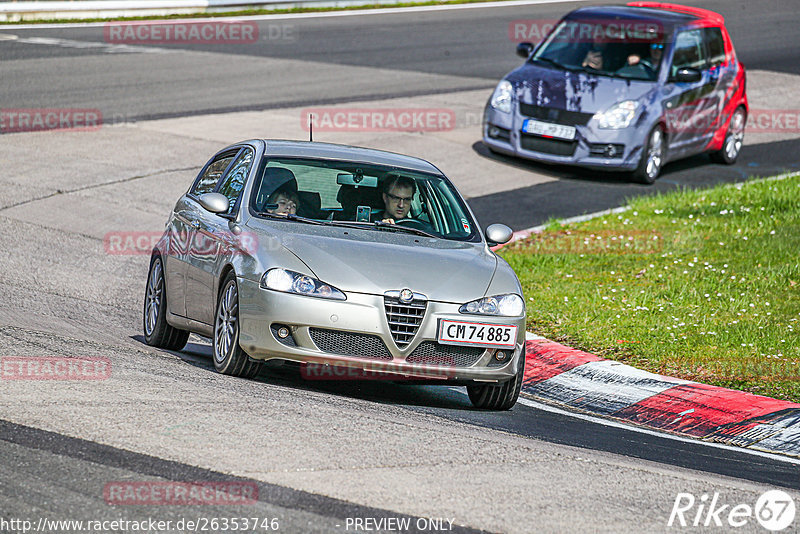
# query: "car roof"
{"points": [[315, 150], [670, 15]]}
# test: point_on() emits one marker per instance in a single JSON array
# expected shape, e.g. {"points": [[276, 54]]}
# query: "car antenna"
{"points": [[310, 127]]}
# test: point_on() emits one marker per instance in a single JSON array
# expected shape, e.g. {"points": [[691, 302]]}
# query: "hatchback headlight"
{"points": [[502, 97], [617, 116], [301, 284], [506, 305]]}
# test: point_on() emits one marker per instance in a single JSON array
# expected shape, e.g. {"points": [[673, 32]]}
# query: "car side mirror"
{"points": [[524, 49], [214, 202], [498, 234], [688, 75]]}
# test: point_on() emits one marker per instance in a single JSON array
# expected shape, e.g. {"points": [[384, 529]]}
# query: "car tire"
{"points": [[157, 332], [499, 396], [734, 139], [652, 159], [229, 358]]}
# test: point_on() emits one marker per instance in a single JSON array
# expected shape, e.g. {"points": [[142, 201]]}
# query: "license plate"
{"points": [[548, 129], [477, 334]]}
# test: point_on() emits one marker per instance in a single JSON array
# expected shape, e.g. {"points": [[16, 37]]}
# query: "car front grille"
{"points": [[545, 145], [558, 116], [432, 353], [403, 319], [350, 344]]}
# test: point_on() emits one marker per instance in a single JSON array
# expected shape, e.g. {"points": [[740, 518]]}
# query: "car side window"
{"points": [[208, 181], [231, 186], [716, 46], [689, 52]]}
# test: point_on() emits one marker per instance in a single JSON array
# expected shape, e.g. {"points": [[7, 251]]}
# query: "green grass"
{"points": [[249, 12], [707, 287]]}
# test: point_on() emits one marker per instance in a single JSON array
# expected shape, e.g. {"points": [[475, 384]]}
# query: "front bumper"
{"points": [[345, 327], [583, 151]]}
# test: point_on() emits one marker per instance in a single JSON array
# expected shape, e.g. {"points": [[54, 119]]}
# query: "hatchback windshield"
{"points": [[357, 194], [625, 49]]}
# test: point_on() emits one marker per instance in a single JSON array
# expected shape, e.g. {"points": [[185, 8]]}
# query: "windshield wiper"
{"points": [[289, 217], [390, 226]]}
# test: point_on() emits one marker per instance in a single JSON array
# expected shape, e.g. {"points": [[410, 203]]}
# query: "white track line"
{"points": [[326, 14]]}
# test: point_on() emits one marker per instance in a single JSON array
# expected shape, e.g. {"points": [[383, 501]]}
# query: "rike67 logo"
{"points": [[774, 510]]}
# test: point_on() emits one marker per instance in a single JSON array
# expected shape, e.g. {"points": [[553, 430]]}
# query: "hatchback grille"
{"points": [[432, 353], [558, 116], [403, 319], [350, 344], [545, 145]]}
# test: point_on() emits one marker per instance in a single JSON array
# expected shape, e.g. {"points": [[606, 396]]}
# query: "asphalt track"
{"points": [[438, 53]]}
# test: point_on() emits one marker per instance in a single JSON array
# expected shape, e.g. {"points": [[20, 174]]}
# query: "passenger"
{"points": [[285, 200]]}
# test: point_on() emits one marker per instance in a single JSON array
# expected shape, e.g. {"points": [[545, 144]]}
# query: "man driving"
{"points": [[398, 192]]}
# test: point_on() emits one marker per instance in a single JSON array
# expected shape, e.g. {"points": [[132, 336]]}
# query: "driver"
{"points": [[652, 62], [398, 191]]}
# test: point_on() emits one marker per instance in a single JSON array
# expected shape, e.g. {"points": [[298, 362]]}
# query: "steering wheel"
{"points": [[413, 223]]}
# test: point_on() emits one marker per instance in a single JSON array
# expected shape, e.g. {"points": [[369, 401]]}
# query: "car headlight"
{"points": [[301, 284], [617, 116], [507, 305], [502, 97]]}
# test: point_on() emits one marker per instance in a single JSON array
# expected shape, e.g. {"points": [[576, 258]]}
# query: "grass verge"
{"points": [[251, 12], [697, 284]]}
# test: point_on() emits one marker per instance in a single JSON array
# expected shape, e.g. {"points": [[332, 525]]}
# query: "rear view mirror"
{"points": [[524, 49], [214, 202], [357, 180]]}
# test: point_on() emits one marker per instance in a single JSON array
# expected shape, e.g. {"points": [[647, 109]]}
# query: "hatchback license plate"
{"points": [[477, 334], [548, 129]]}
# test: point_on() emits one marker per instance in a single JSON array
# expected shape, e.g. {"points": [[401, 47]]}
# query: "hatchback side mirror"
{"points": [[214, 202], [524, 49], [688, 75], [498, 234]]}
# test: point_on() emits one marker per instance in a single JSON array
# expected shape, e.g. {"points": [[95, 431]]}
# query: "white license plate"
{"points": [[477, 334], [548, 129]]}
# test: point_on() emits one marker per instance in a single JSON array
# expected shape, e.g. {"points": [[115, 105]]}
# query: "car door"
{"points": [[188, 220], [722, 73], [211, 237], [181, 231], [690, 108]]}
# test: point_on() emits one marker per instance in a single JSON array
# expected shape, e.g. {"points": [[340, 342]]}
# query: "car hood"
{"points": [[370, 261], [574, 91]]}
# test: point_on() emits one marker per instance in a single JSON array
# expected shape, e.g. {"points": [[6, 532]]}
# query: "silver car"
{"points": [[355, 263]]}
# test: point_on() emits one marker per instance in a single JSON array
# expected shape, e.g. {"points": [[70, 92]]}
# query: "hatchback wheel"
{"points": [[499, 396], [157, 332], [229, 358], [734, 139], [652, 157]]}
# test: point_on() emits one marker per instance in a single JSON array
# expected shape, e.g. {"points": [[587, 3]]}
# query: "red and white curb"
{"points": [[559, 374]]}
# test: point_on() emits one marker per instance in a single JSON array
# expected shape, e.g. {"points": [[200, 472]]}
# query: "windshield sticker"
{"points": [[465, 224]]}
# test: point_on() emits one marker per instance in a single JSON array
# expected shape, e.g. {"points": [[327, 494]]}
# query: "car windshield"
{"points": [[345, 193], [622, 49]]}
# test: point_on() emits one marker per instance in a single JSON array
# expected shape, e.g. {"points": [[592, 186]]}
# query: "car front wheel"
{"points": [[652, 157], [499, 396], [229, 358], [734, 139], [157, 332]]}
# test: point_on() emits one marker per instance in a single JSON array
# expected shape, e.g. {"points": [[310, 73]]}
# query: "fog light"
{"points": [[500, 355], [283, 332], [494, 131]]}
